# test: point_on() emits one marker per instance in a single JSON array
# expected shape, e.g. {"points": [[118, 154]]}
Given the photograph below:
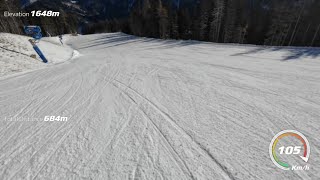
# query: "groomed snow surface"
{"points": [[142, 108]]}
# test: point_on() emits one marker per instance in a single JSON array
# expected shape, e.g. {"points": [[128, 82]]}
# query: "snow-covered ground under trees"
{"points": [[142, 108]]}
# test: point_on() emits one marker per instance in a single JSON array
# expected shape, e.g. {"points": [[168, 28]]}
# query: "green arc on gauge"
{"points": [[275, 156]]}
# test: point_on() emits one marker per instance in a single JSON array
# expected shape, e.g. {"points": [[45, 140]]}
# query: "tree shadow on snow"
{"points": [[292, 53], [118, 39], [113, 40]]}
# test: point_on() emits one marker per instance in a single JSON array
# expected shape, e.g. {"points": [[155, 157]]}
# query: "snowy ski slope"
{"points": [[142, 108]]}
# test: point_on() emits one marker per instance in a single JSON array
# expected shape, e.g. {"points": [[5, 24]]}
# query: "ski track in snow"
{"points": [[142, 108]]}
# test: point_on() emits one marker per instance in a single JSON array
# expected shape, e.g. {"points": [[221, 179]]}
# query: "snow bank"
{"points": [[17, 54], [54, 51]]}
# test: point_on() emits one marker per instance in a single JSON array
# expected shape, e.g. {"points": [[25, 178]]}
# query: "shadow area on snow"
{"points": [[108, 41], [118, 39], [292, 53]]}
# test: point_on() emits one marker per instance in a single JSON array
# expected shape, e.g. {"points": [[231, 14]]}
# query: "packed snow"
{"points": [[16, 53], [141, 108]]}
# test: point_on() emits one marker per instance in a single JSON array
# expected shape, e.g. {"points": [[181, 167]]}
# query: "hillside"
{"points": [[260, 22], [17, 54]]}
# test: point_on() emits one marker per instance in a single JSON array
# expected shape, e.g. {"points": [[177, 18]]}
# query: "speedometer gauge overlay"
{"points": [[290, 150]]}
